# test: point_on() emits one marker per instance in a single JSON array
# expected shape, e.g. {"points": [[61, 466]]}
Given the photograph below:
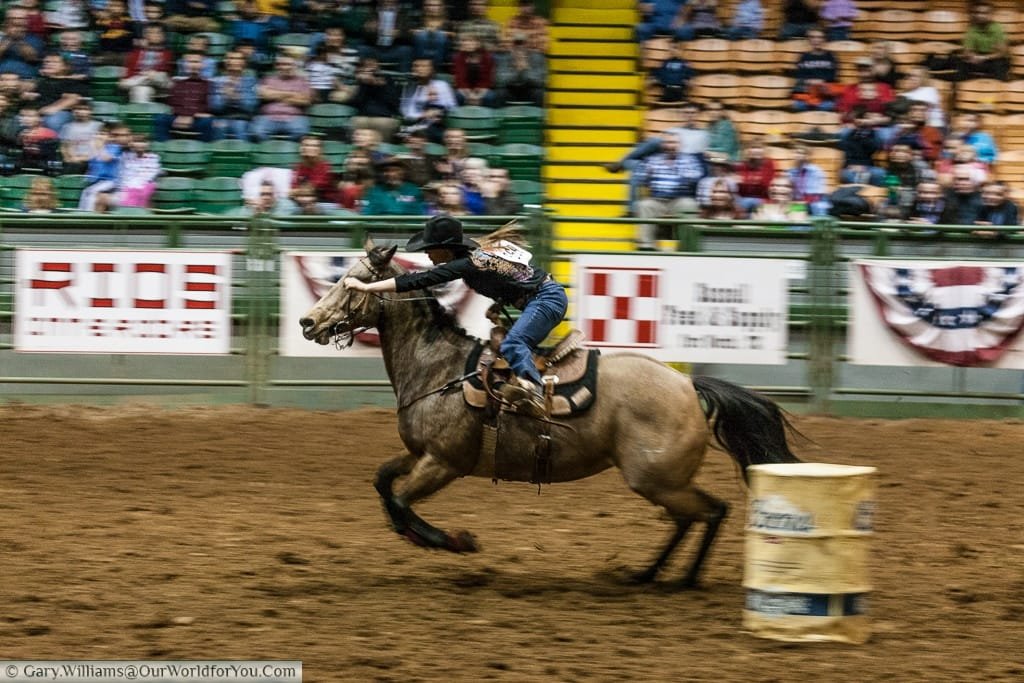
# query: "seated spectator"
{"points": [[270, 203], [376, 99], [816, 72], [449, 201], [20, 52], [798, 18], [499, 200], [964, 157], [671, 179], [837, 17], [699, 20], [521, 74], [480, 25], [103, 167], [56, 94], [78, 60], [985, 50], [860, 144], [474, 74], [147, 71], [917, 87], [866, 93], [913, 129], [306, 204], [137, 174], [114, 31], [721, 204], [368, 140], [809, 183], [719, 169], [251, 26], [387, 35], [722, 134], [528, 24], [449, 165], [233, 99], [10, 127], [929, 206], [673, 75], [968, 130], [747, 20], [356, 180], [189, 100], [471, 182], [344, 59], [692, 140], [419, 166], [199, 44], [393, 195], [903, 171], [277, 13], [76, 138], [16, 90], [35, 22], [963, 199], [754, 175], [883, 68], [996, 208], [39, 144], [781, 205], [190, 16], [426, 101], [285, 95], [41, 197], [314, 171], [432, 40], [324, 77], [659, 18]]}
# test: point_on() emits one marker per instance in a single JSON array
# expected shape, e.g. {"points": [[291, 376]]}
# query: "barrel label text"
{"points": [[775, 513]]}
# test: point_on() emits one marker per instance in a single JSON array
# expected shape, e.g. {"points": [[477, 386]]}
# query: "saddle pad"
{"points": [[574, 393]]}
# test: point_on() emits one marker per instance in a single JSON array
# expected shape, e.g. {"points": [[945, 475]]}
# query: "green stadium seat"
{"points": [[522, 161], [278, 153], [104, 84], [435, 150], [480, 123], [329, 118], [220, 43], [336, 153], [293, 40], [185, 157], [390, 149], [230, 158], [131, 211], [174, 193], [13, 190], [105, 111], [140, 117], [528, 191], [69, 189], [482, 150], [218, 195], [521, 124]]}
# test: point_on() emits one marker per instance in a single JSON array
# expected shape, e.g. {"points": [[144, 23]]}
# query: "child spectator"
{"points": [[747, 20], [147, 71], [721, 204], [38, 143], [472, 184], [968, 129], [103, 168], [809, 183], [816, 72], [306, 204], [781, 205], [41, 197], [449, 165], [674, 74], [137, 175], [77, 137], [474, 73], [449, 201], [754, 175]]}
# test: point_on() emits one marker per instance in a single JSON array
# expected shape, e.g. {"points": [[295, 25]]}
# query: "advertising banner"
{"points": [[685, 309], [307, 276], [92, 301], [935, 313]]}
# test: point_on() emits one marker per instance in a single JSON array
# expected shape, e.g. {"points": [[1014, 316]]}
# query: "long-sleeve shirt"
{"points": [[482, 274], [472, 75], [138, 170], [671, 177], [404, 200], [320, 175], [234, 96], [983, 145], [416, 98], [821, 66], [754, 180], [189, 96]]}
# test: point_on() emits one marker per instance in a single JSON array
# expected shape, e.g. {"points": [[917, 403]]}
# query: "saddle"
{"points": [[568, 368]]}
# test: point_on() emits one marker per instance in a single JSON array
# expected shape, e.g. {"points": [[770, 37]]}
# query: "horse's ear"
{"points": [[369, 245], [381, 256]]}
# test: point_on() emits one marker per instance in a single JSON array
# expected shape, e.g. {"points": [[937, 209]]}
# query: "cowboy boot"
{"points": [[526, 397]]}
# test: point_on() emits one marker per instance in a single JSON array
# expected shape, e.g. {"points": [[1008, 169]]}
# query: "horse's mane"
{"points": [[440, 320], [510, 232]]}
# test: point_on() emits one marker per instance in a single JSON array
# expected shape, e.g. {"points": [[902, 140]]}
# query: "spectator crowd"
{"points": [[399, 66]]}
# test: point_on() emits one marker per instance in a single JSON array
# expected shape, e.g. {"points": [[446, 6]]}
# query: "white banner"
{"points": [[686, 309], [307, 276], [936, 313], [91, 301]]}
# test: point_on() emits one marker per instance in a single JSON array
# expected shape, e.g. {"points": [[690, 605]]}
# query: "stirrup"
{"points": [[527, 401]]}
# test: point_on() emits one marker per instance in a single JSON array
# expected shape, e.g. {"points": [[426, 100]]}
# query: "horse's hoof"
{"points": [[642, 578], [463, 542]]}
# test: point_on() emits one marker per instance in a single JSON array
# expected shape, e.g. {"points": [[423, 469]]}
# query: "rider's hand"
{"points": [[356, 284]]}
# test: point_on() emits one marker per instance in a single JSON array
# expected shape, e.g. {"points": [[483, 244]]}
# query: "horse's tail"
{"points": [[751, 427]]}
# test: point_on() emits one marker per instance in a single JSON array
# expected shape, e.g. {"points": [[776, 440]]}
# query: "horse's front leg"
{"points": [[427, 475]]}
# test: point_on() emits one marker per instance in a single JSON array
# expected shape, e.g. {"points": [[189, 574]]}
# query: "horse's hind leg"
{"points": [[427, 475], [712, 517]]}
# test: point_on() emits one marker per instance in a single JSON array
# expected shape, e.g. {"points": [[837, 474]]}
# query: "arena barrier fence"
{"points": [[817, 374]]}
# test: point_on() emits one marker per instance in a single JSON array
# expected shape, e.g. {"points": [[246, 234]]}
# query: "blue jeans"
{"points": [[541, 314], [263, 127], [236, 129], [432, 45], [630, 162]]}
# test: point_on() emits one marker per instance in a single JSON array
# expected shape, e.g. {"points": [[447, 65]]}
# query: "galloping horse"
{"points": [[646, 419]]}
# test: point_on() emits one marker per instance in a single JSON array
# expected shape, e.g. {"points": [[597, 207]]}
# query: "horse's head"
{"points": [[341, 312]]}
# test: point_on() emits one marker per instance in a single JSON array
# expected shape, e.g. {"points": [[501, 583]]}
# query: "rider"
{"points": [[501, 272]]}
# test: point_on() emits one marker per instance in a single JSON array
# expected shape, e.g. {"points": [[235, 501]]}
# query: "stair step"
{"points": [[603, 64], [587, 209], [622, 82], [601, 99], [595, 16], [578, 171], [595, 48], [630, 117], [596, 4], [592, 154], [587, 191], [608, 136], [617, 231], [563, 31], [584, 245]]}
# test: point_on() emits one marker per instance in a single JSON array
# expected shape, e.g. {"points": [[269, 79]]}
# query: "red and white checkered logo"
{"points": [[619, 306]]}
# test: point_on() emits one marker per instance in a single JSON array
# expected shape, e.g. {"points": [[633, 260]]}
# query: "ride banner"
{"points": [[685, 309], [933, 313], [122, 301], [307, 276]]}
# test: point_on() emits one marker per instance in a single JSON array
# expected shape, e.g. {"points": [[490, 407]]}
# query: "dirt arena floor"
{"points": [[237, 533]]}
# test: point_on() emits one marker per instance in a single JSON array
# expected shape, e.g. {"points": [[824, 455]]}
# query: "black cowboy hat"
{"points": [[440, 232]]}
